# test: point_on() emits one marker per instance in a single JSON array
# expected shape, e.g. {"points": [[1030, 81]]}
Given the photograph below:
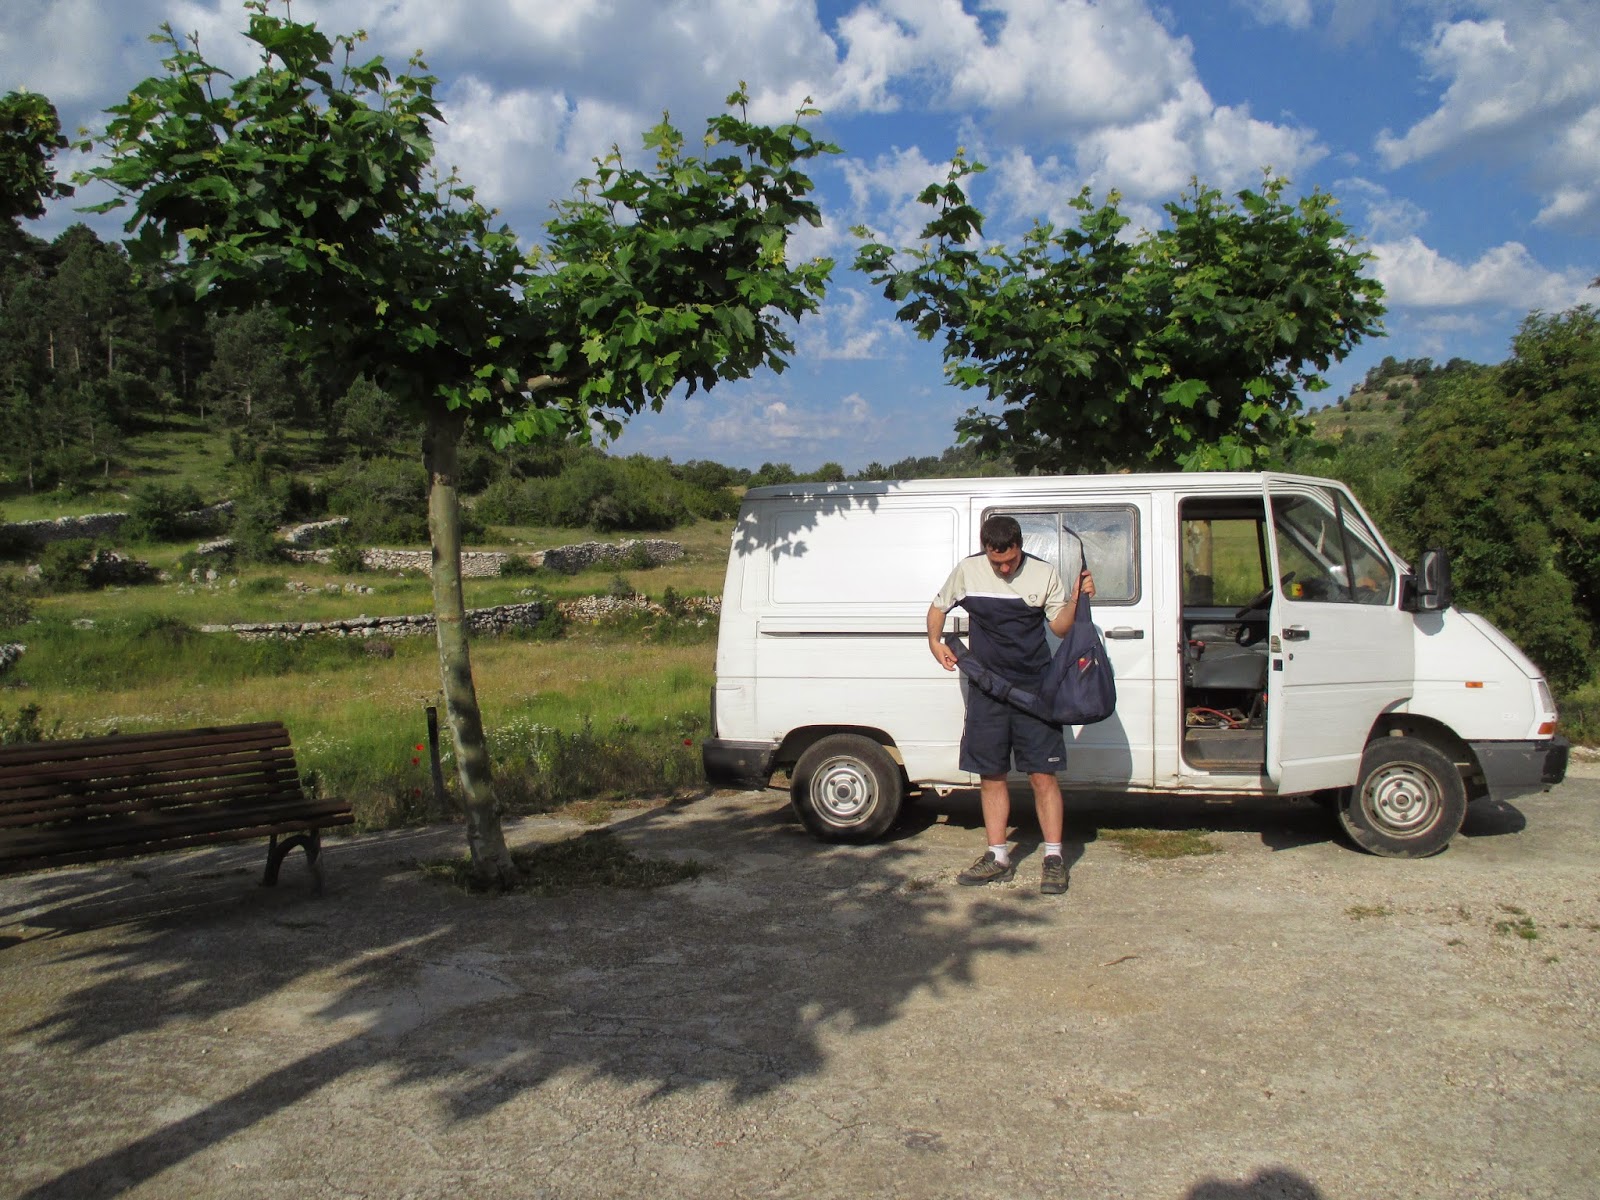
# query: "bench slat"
{"points": [[272, 733], [49, 810], [126, 828], [173, 778]]}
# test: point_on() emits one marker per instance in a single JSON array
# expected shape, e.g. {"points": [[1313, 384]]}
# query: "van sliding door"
{"points": [[1113, 535]]}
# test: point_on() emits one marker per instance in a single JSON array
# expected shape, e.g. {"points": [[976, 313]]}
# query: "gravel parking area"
{"points": [[1283, 1018]]}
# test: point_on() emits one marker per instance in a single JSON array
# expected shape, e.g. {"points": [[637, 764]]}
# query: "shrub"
{"points": [[348, 557], [159, 512], [17, 545], [518, 565], [255, 529], [620, 589], [15, 606], [63, 565], [26, 727]]}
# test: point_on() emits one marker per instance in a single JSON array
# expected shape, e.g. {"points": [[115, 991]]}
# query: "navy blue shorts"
{"points": [[995, 733]]}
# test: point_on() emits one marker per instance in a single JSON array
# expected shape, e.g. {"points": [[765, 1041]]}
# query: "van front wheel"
{"points": [[846, 788], [1409, 802]]}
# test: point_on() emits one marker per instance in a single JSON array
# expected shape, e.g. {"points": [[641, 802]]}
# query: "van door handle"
{"points": [[1296, 633], [1122, 631]]}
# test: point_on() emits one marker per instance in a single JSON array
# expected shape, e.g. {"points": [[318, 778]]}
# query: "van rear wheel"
{"points": [[1409, 801], [846, 788]]}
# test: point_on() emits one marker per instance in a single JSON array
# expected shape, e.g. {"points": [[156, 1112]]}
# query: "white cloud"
{"points": [[1190, 136], [1387, 216], [1296, 14], [1414, 275], [851, 326], [1522, 88]]}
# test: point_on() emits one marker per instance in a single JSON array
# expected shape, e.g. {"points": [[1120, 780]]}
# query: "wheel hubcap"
{"points": [[842, 789], [1403, 798]]}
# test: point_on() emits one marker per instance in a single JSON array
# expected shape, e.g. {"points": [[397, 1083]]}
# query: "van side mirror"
{"points": [[1428, 590]]}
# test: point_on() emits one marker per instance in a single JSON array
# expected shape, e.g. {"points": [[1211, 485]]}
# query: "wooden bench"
{"points": [[87, 799]]}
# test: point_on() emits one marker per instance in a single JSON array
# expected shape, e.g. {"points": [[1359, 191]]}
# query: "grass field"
{"points": [[599, 711]]}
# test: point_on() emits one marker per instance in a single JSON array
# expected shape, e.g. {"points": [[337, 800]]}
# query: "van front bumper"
{"points": [[1521, 768], [734, 764]]}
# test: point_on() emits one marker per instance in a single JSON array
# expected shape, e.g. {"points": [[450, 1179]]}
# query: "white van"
{"points": [[1265, 640]]}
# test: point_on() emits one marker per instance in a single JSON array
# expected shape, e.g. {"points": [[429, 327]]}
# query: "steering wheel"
{"points": [[1264, 596]]}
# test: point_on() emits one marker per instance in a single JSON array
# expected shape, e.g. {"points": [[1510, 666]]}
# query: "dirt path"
{"points": [[1286, 1018]]}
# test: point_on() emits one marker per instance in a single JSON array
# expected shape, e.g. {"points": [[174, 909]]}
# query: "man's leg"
{"points": [[996, 798], [1047, 803]]}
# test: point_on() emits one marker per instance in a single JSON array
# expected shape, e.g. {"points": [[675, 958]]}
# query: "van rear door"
{"points": [[1341, 647]]}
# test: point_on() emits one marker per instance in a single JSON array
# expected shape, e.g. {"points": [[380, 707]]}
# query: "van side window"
{"points": [[1108, 537], [1327, 553]]}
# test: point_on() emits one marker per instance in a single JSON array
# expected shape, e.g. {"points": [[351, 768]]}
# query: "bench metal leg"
{"points": [[310, 841]]}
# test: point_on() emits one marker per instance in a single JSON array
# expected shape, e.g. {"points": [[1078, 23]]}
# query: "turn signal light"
{"points": [[1474, 683], [1546, 728]]}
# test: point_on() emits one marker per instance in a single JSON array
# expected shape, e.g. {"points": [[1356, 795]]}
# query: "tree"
{"points": [[1185, 347], [251, 380], [1474, 486], [30, 135], [307, 186]]}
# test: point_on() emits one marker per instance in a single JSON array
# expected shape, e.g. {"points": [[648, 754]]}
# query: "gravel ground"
{"points": [[1284, 1018]]}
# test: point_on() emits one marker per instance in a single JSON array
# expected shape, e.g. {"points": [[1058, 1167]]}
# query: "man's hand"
{"points": [[945, 656], [1086, 583]]}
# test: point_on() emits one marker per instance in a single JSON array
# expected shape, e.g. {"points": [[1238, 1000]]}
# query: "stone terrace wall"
{"points": [[486, 564], [479, 620], [98, 525]]}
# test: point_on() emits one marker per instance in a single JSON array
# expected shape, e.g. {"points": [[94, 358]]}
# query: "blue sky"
{"points": [[1462, 139]]}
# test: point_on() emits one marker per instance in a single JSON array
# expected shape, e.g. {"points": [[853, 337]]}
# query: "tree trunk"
{"points": [[491, 861]]}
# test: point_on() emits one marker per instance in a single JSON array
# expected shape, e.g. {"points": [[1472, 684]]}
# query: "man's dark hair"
{"points": [[1000, 533]]}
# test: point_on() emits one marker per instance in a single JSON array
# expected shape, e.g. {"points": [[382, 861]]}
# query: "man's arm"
{"points": [[1063, 619], [945, 655]]}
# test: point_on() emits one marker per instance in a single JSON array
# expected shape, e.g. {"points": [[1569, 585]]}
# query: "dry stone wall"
{"points": [[486, 564], [499, 619], [109, 524]]}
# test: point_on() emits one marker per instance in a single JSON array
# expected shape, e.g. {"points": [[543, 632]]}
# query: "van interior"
{"points": [[1227, 594]]}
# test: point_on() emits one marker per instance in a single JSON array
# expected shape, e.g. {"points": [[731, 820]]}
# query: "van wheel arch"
{"points": [[1442, 738], [847, 787], [1408, 801]]}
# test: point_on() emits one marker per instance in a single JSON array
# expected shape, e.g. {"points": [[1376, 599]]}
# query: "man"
{"points": [[1009, 597]]}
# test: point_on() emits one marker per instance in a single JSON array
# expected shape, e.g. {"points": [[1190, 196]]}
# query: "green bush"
{"points": [[15, 606], [63, 566], [255, 529], [158, 512], [518, 565], [25, 726], [348, 557], [17, 545]]}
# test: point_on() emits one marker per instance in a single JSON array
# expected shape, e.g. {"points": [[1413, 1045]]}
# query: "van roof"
{"points": [[1001, 485]]}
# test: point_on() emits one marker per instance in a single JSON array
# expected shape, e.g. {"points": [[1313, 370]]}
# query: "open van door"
{"points": [[1341, 648]]}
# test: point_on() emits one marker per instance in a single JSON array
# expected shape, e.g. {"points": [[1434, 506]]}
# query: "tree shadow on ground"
{"points": [[1282, 824], [742, 979]]}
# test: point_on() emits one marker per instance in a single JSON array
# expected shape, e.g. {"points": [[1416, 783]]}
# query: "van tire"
{"points": [[846, 788], [1409, 801]]}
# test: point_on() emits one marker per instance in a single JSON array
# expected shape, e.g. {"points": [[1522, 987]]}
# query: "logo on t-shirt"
{"points": [[1033, 599]]}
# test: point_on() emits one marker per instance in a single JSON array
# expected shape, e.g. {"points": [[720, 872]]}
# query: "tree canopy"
{"points": [[30, 135], [308, 187], [1186, 347]]}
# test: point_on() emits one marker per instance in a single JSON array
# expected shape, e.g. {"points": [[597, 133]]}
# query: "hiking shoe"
{"points": [[1053, 876], [987, 870]]}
